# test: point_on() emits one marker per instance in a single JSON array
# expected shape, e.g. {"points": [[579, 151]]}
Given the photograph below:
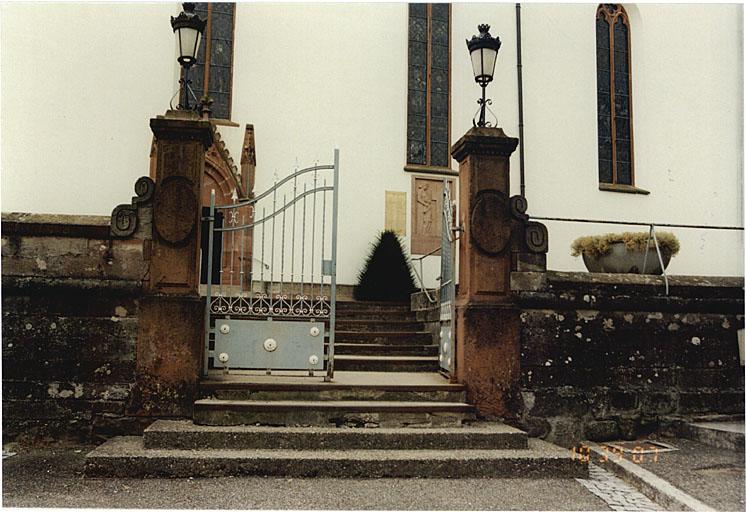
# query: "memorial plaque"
{"points": [[396, 212], [427, 207]]}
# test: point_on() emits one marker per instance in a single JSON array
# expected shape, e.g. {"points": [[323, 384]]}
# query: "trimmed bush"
{"points": [[387, 274]]}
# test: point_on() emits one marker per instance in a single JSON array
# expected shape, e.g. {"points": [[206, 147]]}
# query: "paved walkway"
{"points": [[53, 478], [712, 475], [615, 493]]}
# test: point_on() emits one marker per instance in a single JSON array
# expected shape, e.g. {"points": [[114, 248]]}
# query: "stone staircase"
{"points": [[383, 416], [382, 337]]}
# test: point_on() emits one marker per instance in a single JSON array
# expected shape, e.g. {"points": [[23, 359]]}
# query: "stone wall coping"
{"points": [[54, 224], [580, 278], [26, 284]]}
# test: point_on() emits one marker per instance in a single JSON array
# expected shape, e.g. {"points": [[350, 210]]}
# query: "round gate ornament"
{"points": [[175, 209], [270, 345], [490, 222]]}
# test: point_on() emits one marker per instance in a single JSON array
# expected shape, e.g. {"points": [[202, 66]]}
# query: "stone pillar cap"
{"points": [[484, 141], [182, 127]]}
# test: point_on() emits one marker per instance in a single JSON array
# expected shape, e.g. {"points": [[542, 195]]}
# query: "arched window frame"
{"points": [[613, 14]]}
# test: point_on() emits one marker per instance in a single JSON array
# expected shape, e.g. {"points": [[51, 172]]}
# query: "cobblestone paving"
{"points": [[617, 494]]}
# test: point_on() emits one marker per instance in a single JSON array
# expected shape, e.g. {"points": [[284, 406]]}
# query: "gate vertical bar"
{"points": [[333, 308], [208, 299]]}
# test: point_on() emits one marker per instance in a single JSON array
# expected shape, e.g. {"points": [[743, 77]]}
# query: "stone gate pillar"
{"points": [[496, 239], [170, 334]]}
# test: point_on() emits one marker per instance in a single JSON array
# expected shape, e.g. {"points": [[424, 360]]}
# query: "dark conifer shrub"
{"points": [[387, 275]]}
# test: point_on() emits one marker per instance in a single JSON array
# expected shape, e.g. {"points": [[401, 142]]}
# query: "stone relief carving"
{"points": [[427, 203]]}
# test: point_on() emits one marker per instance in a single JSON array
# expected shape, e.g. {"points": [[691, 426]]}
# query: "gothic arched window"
{"points": [[615, 162]]}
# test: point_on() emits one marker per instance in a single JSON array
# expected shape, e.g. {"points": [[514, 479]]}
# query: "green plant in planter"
{"points": [[387, 274], [600, 245]]}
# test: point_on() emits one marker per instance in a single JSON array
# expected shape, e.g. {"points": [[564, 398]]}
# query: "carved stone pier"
{"points": [[497, 238], [169, 343]]}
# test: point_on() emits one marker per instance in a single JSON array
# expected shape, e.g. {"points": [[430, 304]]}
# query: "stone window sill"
{"points": [[626, 189], [430, 169], [224, 122]]}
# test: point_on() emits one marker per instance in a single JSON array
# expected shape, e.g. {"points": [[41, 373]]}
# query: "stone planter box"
{"points": [[620, 260]]}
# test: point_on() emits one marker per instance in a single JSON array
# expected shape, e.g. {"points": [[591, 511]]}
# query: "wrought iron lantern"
{"points": [[188, 27], [483, 49]]}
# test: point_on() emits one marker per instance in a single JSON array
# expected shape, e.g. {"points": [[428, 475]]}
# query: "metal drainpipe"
{"points": [[520, 97]]}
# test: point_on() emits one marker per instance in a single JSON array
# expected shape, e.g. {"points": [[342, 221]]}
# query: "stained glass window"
{"points": [[615, 163], [429, 83], [218, 38]]}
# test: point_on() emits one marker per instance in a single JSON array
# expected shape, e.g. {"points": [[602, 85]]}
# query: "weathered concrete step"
{"points": [[289, 413], [127, 457], [385, 337], [354, 305], [386, 363], [720, 434], [402, 316], [346, 394], [185, 435], [380, 349], [360, 325], [386, 386]]}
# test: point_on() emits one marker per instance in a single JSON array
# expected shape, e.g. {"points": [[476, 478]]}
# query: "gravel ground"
{"points": [[712, 475], [52, 477]]}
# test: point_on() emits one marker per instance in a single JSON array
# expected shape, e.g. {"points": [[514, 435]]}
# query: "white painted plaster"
{"points": [[311, 77]]}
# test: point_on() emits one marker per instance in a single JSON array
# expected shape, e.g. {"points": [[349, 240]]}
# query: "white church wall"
{"points": [[79, 85], [312, 77], [328, 75], [687, 116]]}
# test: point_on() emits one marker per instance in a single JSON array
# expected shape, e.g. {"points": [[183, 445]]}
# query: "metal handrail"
{"points": [[651, 234], [420, 275]]}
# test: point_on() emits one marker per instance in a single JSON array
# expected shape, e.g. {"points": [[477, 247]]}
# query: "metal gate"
{"points": [[447, 292], [271, 305]]}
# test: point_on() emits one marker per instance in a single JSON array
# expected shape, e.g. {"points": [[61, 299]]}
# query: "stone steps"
{"points": [[375, 349], [128, 457], [387, 324], [380, 316], [401, 363], [185, 435], [290, 413], [322, 391], [385, 337]]}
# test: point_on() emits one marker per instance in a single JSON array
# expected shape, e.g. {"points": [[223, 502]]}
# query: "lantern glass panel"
{"points": [[490, 57], [476, 62], [189, 39]]}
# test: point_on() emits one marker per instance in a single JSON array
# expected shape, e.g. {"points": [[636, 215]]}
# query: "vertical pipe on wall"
{"points": [[520, 97]]}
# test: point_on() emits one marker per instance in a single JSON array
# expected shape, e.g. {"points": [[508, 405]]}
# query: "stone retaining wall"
{"points": [[607, 356], [70, 300]]}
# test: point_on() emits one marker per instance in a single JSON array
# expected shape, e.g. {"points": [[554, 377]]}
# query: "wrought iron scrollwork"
{"points": [[294, 306], [124, 217]]}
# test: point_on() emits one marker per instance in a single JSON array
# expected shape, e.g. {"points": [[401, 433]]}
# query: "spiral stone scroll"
{"points": [[518, 208], [124, 217], [537, 237]]}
